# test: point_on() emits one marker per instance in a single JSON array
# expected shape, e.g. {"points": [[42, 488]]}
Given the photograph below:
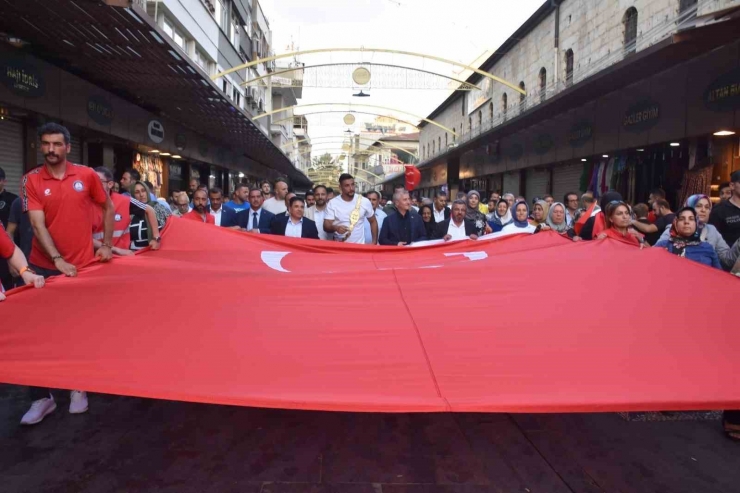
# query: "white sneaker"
{"points": [[77, 402], [39, 410]]}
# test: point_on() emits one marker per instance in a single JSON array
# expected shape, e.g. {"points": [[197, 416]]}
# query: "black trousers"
{"points": [[36, 393]]}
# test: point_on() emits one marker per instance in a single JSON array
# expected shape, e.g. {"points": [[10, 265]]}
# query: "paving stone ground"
{"points": [[126, 444]]}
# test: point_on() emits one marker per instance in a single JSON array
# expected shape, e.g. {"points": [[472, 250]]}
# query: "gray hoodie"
{"points": [[727, 256]]}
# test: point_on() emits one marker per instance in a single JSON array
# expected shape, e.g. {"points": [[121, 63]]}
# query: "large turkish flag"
{"points": [[514, 324]]}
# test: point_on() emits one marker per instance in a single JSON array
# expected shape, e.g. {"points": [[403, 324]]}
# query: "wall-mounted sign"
{"points": [[641, 116], [175, 171], [156, 131], [475, 98], [516, 151], [580, 133], [22, 78], [203, 148], [543, 143], [99, 110], [724, 93], [181, 141]]}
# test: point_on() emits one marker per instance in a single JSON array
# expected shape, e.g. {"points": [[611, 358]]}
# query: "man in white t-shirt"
{"points": [[276, 204], [340, 209]]}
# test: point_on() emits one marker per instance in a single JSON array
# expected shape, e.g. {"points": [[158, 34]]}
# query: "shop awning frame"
{"points": [[115, 45]]}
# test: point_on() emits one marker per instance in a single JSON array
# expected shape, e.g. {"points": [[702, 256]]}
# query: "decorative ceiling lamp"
{"points": [[361, 76]]}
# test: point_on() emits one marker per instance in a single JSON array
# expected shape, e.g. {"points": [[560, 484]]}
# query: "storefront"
{"points": [[657, 132]]}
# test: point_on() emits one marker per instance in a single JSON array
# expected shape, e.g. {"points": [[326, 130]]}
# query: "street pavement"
{"points": [[126, 444]]}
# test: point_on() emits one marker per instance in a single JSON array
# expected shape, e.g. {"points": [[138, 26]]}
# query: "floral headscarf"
{"points": [[681, 242], [475, 215]]}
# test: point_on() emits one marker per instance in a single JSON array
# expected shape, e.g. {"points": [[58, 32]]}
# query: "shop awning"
{"points": [[114, 44], [678, 48]]}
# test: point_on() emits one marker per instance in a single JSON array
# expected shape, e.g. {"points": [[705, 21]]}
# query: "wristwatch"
{"points": [[107, 245], [55, 258], [24, 270], [158, 239]]}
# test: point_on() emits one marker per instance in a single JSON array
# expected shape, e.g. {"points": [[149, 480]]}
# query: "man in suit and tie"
{"points": [[255, 219], [456, 227], [295, 225]]}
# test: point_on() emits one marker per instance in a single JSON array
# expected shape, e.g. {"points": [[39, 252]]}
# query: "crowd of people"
{"points": [[67, 215]]}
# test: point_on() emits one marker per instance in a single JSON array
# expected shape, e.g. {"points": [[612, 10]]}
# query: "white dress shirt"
{"points": [[455, 231], [294, 230], [251, 225], [318, 218], [439, 216], [217, 215], [379, 216]]}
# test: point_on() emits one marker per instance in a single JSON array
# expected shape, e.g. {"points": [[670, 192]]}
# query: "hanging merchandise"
{"points": [[695, 181], [150, 167]]}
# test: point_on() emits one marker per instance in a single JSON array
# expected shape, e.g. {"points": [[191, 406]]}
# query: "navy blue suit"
{"points": [[228, 217], [308, 227], [266, 217], [393, 231]]}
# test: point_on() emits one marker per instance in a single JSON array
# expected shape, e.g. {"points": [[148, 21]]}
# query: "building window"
{"points": [[629, 21], [236, 23], [434, 149], [490, 113], [522, 96], [439, 143], [687, 9], [200, 59], [470, 124], [569, 68], [480, 119], [504, 104], [543, 84], [446, 144], [171, 31]]}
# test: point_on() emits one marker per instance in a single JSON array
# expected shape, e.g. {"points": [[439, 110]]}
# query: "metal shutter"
{"points": [[74, 156], [11, 153], [537, 183], [511, 183], [566, 179]]}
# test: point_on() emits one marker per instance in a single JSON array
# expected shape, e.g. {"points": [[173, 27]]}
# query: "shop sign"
{"points": [[580, 133], [724, 93], [641, 116], [156, 131], [203, 148], [389, 169], [543, 143], [516, 151], [99, 110], [175, 171], [21, 78], [181, 141]]}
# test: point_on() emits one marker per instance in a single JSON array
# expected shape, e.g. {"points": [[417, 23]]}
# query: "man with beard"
{"points": [[374, 198], [310, 199], [193, 185], [276, 204], [59, 198], [255, 219], [199, 212], [128, 178], [317, 211], [241, 199], [346, 214]]}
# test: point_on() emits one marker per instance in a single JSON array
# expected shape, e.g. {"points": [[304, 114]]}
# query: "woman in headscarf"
{"points": [[475, 215], [539, 215], [556, 218], [618, 218], [500, 217], [141, 231], [520, 222], [427, 217], [707, 232], [685, 240]]}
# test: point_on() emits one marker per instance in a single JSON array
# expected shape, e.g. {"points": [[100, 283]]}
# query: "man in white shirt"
{"points": [[317, 211], [457, 227], [223, 216], [571, 207], [374, 198], [340, 211], [440, 209], [276, 204], [294, 225]]}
